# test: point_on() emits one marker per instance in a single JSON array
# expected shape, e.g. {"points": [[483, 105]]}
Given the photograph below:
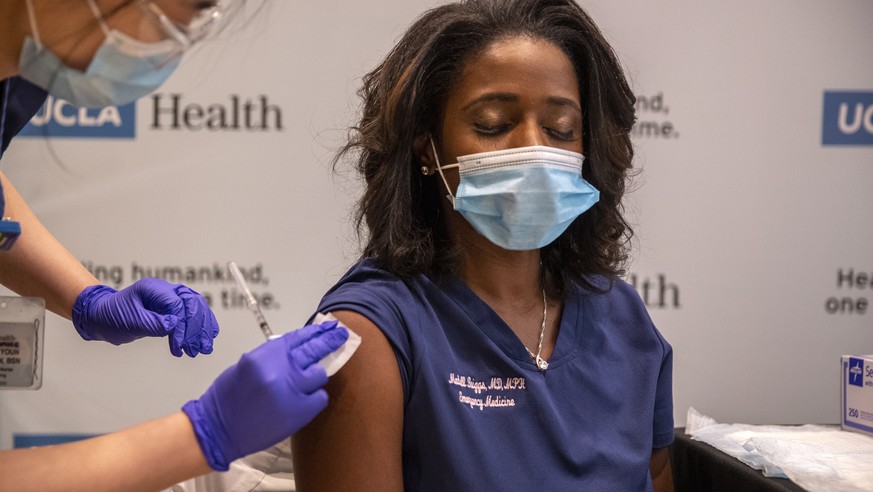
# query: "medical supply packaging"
{"points": [[856, 393]]}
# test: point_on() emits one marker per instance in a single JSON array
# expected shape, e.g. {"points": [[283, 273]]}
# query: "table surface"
{"points": [[699, 467]]}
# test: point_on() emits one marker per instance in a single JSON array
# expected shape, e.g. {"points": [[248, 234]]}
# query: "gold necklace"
{"points": [[542, 364]]}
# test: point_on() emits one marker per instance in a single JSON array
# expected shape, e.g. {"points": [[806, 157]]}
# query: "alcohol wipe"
{"points": [[334, 361]]}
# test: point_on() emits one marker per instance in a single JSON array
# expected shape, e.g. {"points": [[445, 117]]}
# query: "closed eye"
{"points": [[565, 136], [491, 130]]}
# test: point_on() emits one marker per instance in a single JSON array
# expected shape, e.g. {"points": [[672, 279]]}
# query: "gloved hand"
{"points": [[149, 308], [271, 393]]}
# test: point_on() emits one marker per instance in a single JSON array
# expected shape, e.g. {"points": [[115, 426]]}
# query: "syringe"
{"points": [[251, 302]]}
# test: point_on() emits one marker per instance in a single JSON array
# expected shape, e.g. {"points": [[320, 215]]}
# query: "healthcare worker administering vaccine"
{"points": [[110, 52], [92, 56]]}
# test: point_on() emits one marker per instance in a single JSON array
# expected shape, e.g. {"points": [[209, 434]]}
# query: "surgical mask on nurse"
{"points": [[126, 66], [521, 198]]}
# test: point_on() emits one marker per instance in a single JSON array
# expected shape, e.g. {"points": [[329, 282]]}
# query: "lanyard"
{"points": [[3, 104]]}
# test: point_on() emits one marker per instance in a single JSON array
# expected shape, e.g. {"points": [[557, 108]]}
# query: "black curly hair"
{"points": [[404, 98]]}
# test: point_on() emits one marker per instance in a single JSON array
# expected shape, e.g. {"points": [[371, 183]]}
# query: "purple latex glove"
{"points": [[149, 308], [271, 393]]}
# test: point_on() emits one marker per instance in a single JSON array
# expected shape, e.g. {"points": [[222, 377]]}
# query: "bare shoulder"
{"points": [[355, 444]]}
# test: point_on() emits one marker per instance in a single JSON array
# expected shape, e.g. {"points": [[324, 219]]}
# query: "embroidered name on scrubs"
{"points": [[492, 394]]}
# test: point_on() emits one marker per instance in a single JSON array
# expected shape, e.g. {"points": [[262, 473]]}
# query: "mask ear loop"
{"points": [[31, 16], [440, 168], [99, 16]]}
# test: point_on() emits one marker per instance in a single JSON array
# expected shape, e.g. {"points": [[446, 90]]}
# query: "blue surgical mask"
{"points": [[123, 68], [522, 198]]}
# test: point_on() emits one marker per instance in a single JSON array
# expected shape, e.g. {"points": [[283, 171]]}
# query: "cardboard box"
{"points": [[856, 393]]}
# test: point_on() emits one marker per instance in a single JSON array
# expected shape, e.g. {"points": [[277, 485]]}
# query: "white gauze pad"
{"points": [[338, 358]]}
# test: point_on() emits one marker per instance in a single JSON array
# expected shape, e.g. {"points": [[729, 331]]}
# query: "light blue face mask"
{"points": [[123, 68], [522, 198]]}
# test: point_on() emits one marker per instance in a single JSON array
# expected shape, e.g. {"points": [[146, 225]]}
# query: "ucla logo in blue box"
{"points": [[856, 372], [58, 118], [848, 118]]}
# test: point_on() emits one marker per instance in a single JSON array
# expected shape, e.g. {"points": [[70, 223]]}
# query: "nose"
{"points": [[528, 133]]}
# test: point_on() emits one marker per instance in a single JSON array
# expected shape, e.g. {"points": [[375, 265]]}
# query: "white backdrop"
{"points": [[745, 218]]}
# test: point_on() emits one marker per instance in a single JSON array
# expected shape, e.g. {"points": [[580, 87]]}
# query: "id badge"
{"points": [[9, 232], [22, 321]]}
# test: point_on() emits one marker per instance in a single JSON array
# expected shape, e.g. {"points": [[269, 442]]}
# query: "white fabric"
{"points": [[816, 457]]}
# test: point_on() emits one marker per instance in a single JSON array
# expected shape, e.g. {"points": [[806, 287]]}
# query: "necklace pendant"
{"points": [[542, 364]]}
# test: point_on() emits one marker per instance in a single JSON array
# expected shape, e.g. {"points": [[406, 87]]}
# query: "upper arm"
{"points": [[661, 470], [355, 443]]}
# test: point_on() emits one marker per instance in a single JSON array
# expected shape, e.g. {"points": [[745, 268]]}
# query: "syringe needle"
{"points": [[251, 302]]}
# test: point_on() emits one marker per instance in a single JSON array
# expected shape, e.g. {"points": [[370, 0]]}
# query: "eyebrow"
{"points": [[563, 101], [510, 97]]}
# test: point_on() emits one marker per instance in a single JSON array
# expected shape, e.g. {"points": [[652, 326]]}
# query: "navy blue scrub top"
{"points": [[19, 101]]}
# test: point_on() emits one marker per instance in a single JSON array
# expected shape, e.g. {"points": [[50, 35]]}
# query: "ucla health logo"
{"points": [[848, 118], [856, 371], [58, 118]]}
